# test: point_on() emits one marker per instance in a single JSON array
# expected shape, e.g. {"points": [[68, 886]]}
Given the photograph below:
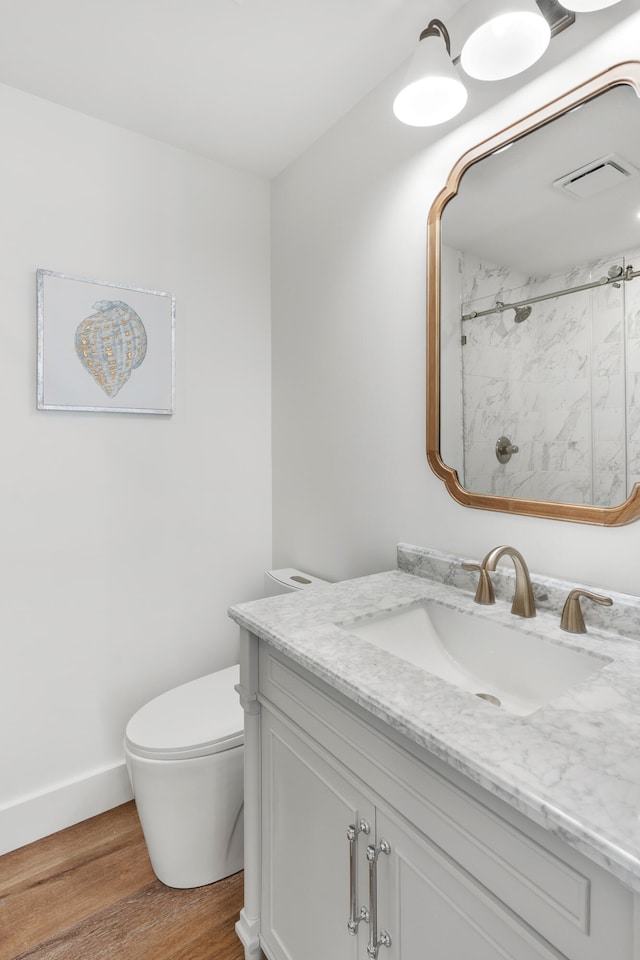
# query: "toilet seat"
{"points": [[196, 719]]}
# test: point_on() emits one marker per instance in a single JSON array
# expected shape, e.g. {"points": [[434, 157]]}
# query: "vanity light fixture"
{"points": [[587, 6], [432, 92], [491, 39]]}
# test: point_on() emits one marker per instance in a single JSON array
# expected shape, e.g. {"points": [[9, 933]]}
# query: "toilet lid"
{"points": [[195, 719]]}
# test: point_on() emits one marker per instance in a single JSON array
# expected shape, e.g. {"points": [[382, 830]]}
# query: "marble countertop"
{"points": [[573, 765]]}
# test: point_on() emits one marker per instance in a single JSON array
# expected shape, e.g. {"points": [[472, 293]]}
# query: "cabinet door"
{"points": [[307, 807], [432, 908]]}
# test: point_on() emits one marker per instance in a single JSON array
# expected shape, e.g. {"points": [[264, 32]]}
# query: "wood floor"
{"points": [[89, 893]]}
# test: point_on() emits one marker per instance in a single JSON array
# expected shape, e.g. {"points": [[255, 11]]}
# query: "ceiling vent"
{"points": [[597, 176]]}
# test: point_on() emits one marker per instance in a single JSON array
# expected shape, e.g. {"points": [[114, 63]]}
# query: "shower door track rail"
{"points": [[500, 307]]}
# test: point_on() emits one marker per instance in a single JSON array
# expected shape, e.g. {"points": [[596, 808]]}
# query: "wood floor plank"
{"points": [[89, 893], [226, 946], [68, 848], [157, 923], [55, 894]]}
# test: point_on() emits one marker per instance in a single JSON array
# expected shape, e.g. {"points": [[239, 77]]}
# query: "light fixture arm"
{"points": [[436, 28]]}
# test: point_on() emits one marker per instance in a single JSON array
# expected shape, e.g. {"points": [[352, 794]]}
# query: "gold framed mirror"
{"points": [[533, 312]]}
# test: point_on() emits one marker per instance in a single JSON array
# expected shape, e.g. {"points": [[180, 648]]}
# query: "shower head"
{"points": [[522, 313]]}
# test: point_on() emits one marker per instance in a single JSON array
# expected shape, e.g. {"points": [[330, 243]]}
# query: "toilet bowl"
{"points": [[184, 754]]}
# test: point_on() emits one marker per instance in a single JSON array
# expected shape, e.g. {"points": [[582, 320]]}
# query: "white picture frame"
{"points": [[104, 347]]}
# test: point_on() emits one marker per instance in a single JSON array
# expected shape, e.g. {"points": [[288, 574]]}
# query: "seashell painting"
{"points": [[111, 344], [110, 361]]}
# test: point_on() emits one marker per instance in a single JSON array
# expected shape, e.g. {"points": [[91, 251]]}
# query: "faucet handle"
{"points": [[484, 592], [572, 620]]}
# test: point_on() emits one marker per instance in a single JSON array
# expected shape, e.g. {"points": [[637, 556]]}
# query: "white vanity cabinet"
{"points": [[424, 901], [307, 807], [461, 876]]}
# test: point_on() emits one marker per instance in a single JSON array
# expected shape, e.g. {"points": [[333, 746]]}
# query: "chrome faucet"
{"points": [[523, 603]]}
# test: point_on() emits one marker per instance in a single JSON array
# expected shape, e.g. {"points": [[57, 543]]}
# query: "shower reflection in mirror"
{"points": [[552, 361]]}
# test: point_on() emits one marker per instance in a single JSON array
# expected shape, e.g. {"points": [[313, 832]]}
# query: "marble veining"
{"points": [[564, 368], [623, 618], [572, 766]]}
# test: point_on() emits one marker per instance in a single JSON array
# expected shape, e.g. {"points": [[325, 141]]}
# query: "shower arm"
{"points": [[500, 307]]}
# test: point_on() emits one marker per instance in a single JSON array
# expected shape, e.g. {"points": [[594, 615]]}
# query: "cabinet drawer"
{"points": [[578, 907]]}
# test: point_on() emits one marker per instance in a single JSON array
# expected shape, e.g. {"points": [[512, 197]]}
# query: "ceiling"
{"points": [[251, 83], [509, 211]]}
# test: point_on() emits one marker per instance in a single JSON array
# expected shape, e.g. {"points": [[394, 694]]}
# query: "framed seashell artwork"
{"points": [[104, 347]]}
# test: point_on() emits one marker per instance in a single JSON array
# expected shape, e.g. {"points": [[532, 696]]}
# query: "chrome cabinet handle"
{"points": [[384, 940], [352, 836]]}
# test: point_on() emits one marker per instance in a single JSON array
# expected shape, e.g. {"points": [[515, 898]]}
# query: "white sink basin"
{"points": [[520, 671]]}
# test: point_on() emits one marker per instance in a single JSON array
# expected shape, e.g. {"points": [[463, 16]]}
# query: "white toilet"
{"points": [[184, 753]]}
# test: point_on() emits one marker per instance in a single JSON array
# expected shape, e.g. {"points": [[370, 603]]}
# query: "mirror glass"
{"points": [[538, 313]]}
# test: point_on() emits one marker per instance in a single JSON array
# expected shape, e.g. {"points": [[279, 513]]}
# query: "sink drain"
{"points": [[489, 697]]}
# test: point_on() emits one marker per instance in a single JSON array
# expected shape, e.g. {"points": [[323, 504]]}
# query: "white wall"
{"points": [[349, 245], [123, 538]]}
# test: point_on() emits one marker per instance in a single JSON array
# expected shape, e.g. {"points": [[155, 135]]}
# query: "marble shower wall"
{"points": [[632, 312], [555, 384]]}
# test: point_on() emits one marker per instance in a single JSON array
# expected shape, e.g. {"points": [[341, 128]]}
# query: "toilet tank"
{"points": [[288, 580]]}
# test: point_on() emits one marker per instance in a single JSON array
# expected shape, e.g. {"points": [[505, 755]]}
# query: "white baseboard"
{"points": [[248, 932], [68, 803]]}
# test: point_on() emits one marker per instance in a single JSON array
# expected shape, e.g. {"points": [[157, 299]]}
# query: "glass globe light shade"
{"points": [[505, 39], [432, 93], [588, 6]]}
